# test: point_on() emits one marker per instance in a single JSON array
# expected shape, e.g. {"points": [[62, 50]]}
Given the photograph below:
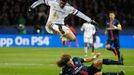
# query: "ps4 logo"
{"points": [[39, 40], [24, 41]]}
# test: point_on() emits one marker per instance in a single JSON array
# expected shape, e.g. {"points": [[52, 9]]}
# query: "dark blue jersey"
{"points": [[77, 69], [112, 34]]}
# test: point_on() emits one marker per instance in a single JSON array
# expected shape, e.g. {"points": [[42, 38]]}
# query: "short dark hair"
{"points": [[63, 60], [112, 12]]}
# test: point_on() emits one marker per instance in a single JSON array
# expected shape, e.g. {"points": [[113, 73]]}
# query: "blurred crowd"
{"points": [[13, 12]]}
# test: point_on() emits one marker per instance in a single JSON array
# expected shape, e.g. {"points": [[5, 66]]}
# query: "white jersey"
{"points": [[58, 14], [88, 29]]}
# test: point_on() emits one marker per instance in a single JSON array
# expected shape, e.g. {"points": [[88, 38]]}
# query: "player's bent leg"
{"points": [[68, 34], [70, 37], [117, 47], [98, 64], [113, 73], [51, 28], [108, 46], [110, 73], [112, 62], [55, 29]]}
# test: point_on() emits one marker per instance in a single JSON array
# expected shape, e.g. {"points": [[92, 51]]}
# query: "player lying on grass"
{"points": [[75, 66], [58, 12]]}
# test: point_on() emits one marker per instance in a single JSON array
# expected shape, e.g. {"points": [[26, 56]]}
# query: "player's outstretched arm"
{"points": [[86, 18], [83, 16], [35, 4], [89, 59]]}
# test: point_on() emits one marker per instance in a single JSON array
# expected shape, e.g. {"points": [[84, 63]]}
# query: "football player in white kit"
{"points": [[58, 12], [89, 31]]}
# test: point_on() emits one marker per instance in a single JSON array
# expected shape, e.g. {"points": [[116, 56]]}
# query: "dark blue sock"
{"points": [[92, 48], [118, 52], [110, 62], [110, 73]]}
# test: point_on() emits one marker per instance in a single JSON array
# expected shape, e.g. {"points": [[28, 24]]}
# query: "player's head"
{"points": [[63, 3], [112, 15], [65, 58]]}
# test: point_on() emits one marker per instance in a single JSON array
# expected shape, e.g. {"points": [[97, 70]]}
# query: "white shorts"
{"points": [[64, 28], [48, 30], [88, 40]]}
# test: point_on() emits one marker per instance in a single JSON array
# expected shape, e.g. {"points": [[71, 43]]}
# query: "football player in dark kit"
{"points": [[113, 27], [75, 66]]}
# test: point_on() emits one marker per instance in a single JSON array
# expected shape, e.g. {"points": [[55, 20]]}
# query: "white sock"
{"points": [[86, 50]]}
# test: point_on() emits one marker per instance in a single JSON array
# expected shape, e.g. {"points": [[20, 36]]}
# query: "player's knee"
{"points": [[98, 63], [108, 47], [98, 73], [72, 39]]}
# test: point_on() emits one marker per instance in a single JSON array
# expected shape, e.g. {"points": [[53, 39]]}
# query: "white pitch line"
{"points": [[15, 64], [123, 66], [30, 64]]}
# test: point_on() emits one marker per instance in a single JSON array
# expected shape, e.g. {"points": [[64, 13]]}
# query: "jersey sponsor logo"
{"points": [[77, 69]]}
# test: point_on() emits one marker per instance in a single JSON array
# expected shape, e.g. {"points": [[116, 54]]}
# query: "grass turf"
{"points": [[41, 61]]}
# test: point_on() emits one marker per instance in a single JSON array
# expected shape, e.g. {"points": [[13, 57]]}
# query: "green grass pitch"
{"points": [[41, 61]]}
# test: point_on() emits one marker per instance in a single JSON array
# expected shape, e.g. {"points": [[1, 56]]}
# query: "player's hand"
{"points": [[30, 11], [114, 27], [94, 22], [98, 54]]}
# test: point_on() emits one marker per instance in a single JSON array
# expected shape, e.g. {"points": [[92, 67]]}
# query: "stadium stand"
{"points": [[14, 12]]}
